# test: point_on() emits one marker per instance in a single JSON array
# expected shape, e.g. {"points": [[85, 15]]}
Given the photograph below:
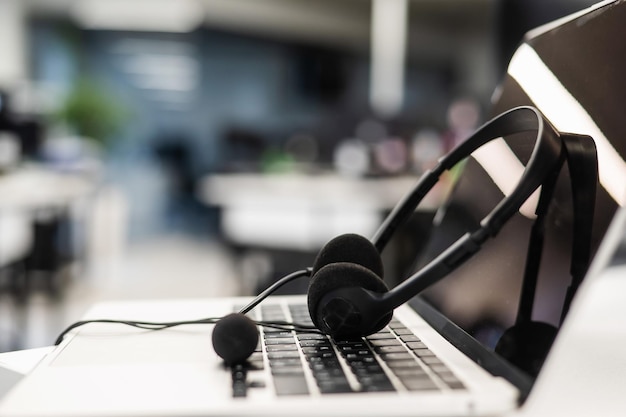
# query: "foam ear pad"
{"points": [[339, 275], [351, 248]]}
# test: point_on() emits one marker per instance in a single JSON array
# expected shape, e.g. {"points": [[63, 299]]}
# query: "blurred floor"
{"points": [[169, 266]]}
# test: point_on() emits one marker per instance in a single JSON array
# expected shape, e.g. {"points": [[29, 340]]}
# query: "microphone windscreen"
{"points": [[235, 337], [351, 248]]}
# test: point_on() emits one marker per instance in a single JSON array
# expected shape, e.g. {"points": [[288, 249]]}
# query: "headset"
{"points": [[347, 296]]}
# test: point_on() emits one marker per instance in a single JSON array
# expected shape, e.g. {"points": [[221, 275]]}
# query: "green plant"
{"points": [[91, 111]]}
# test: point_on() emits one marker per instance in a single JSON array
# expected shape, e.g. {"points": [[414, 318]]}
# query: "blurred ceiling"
{"points": [[343, 23], [457, 34]]}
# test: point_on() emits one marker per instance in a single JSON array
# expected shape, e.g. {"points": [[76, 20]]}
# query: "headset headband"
{"points": [[546, 155]]}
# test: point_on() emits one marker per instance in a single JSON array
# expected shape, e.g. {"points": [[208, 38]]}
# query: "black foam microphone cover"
{"points": [[350, 248], [235, 337]]}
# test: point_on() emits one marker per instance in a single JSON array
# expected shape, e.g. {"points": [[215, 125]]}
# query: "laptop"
{"points": [[438, 355]]}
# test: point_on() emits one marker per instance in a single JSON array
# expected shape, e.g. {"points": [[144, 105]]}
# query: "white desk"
{"points": [[299, 211], [34, 186], [34, 200], [24, 192]]}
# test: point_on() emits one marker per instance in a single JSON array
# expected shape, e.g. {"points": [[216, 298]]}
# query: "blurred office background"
{"points": [[203, 148]]}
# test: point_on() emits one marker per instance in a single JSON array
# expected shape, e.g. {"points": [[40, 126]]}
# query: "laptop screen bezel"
{"points": [[476, 351]]}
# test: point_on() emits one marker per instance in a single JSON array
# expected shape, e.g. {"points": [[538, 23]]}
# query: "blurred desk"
{"points": [[36, 187], [298, 211], [24, 193], [35, 203]]}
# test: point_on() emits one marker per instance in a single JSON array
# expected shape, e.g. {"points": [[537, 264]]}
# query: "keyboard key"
{"points": [[319, 355], [279, 340], [368, 371], [380, 335], [276, 333], [353, 339], [409, 338], [440, 368], [284, 355], [287, 370], [329, 374], [316, 349], [322, 366], [451, 380], [254, 365], [390, 349], [431, 360], [410, 372], [395, 323], [447, 375], [334, 387], [365, 367], [282, 348], [412, 363], [239, 386], [240, 389], [402, 356], [366, 356], [418, 384], [352, 357], [290, 385], [379, 387], [416, 345], [422, 353], [456, 385], [352, 345], [314, 343], [275, 362], [385, 342], [373, 379], [311, 336]]}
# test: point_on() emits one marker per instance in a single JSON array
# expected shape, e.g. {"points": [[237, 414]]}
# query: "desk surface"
{"points": [[29, 190], [298, 211], [304, 191], [34, 186]]}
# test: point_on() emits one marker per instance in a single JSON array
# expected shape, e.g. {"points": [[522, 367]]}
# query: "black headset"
{"points": [[347, 296]]}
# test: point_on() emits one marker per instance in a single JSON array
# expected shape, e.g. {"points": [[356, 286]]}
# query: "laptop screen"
{"points": [[572, 73]]}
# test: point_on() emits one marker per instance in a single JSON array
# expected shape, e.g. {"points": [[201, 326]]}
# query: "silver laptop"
{"points": [[438, 356]]}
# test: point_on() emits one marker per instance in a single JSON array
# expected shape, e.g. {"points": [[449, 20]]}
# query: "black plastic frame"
{"points": [[487, 359]]}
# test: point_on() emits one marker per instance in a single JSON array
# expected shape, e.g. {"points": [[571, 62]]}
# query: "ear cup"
{"points": [[526, 345], [351, 248], [340, 316]]}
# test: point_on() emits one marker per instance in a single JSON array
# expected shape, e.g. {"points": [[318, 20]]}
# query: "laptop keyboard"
{"points": [[394, 359]]}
